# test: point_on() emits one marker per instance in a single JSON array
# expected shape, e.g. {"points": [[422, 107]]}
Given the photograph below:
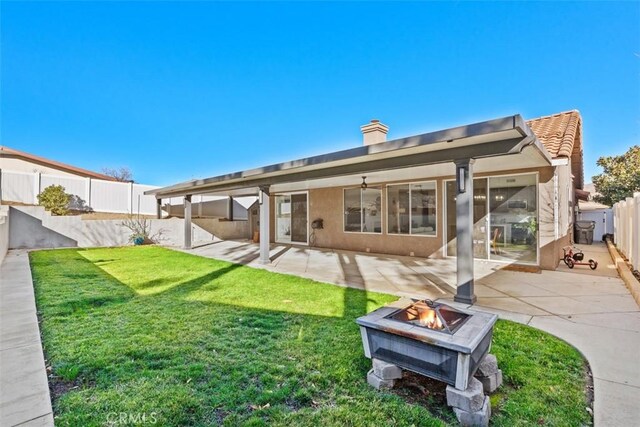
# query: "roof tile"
{"points": [[559, 132], [561, 135]]}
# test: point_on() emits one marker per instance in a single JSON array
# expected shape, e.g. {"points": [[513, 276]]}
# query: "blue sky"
{"points": [[177, 91]]}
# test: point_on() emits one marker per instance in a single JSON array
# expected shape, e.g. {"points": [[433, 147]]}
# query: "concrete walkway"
{"points": [[592, 310], [24, 390]]}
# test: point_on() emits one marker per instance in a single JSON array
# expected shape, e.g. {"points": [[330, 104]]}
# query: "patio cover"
{"points": [[459, 151]]}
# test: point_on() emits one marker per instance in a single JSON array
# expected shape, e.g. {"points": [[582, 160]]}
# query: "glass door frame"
{"points": [[488, 217], [275, 217], [487, 244]]}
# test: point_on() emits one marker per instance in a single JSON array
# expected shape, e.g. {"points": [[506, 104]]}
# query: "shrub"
{"points": [[140, 231], [55, 200]]}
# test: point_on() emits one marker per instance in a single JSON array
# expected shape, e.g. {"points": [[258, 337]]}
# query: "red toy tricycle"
{"points": [[574, 256]]}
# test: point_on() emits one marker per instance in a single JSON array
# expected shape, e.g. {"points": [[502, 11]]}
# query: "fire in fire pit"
{"points": [[431, 315]]}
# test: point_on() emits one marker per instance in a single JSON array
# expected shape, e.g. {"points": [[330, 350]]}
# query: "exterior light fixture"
{"points": [[364, 183]]}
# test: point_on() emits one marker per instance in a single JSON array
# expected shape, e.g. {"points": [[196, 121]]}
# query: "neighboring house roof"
{"points": [[591, 188], [582, 194], [10, 152], [591, 206], [589, 203]]}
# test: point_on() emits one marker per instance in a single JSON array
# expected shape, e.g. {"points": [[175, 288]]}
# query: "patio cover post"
{"points": [[263, 199], [464, 231], [187, 221], [230, 208], [159, 208]]}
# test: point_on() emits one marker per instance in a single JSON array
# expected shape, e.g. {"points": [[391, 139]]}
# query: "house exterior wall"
{"points": [[327, 203], [20, 165], [551, 240], [546, 210]]}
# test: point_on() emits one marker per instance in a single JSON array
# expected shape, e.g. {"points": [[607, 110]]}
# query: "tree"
{"points": [[55, 200], [120, 174], [620, 177]]}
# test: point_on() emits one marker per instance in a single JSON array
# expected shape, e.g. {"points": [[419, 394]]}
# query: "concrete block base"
{"points": [[489, 374], [475, 418], [379, 383], [386, 371], [492, 382], [470, 400], [488, 366]]}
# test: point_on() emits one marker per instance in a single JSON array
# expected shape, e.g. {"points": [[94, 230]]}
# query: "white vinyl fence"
{"points": [[100, 195], [626, 225]]}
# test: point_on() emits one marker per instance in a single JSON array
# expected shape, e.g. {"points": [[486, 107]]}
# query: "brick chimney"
{"points": [[374, 132]]}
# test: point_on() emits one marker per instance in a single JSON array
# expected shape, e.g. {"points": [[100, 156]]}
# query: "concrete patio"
{"points": [[24, 389], [592, 310]]}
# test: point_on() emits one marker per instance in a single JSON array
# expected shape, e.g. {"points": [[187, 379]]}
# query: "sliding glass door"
{"points": [[514, 218], [505, 218], [480, 244], [291, 218]]}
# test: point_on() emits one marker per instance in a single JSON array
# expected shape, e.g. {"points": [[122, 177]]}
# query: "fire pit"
{"points": [[428, 338]]}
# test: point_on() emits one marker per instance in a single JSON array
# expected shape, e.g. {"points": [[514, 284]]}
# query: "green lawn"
{"points": [[186, 340]]}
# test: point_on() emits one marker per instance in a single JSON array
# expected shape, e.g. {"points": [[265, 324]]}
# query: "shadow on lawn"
{"points": [[93, 287], [89, 303]]}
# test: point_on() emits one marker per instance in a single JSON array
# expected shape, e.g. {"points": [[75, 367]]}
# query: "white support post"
{"points": [[37, 178], [632, 203], [464, 232], [616, 222], [264, 225], [636, 231], [200, 206], [87, 191], [187, 222], [626, 222], [130, 193]]}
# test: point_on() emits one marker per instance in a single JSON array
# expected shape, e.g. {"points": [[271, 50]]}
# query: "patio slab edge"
{"points": [[24, 387]]}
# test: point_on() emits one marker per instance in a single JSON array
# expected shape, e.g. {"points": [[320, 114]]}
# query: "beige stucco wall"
{"points": [[546, 227], [224, 229], [11, 164], [327, 203]]}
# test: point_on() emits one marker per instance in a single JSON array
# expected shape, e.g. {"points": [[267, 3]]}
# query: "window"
{"points": [[505, 218], [352, 210], [411, 209], [362, 210], [398, 209]]}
